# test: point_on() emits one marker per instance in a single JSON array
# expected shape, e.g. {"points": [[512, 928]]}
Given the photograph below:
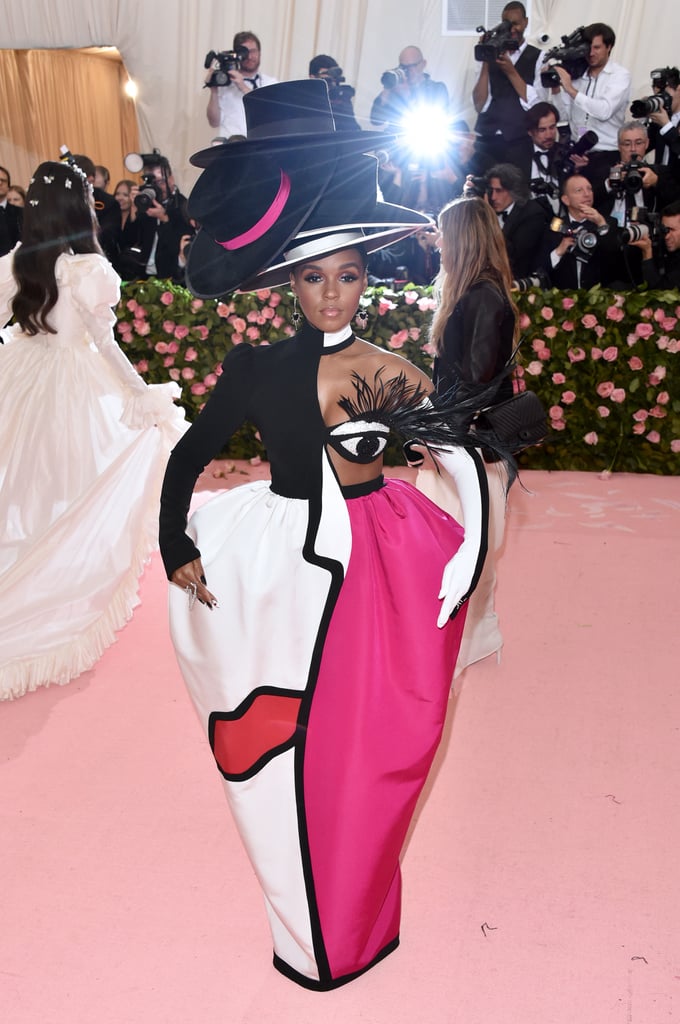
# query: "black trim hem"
{"points": [[326, 985], [362, 489]]}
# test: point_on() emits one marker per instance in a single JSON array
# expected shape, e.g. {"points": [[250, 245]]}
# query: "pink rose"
{"points": [[567, 325], [142, 327], [600, 331], [595, 353], [196, 304], [668, 323], [198, 388], [210, 380], [238, 323], [591, 438], [172, 346], [605, 389], [589, 320], [674, 346], [169, 361], [663, 343], [253, 333], [414, 333], [663, 398], [131, 304], [274, 299], [428, 349], [188, 373], [524, 321], [173, 374], [222, 309], [575, 355], [267, 313], [555, 412], [603, 411], [614, 313], [169, 326], [558, 378], [236, 338], [547, 313], [658, 412], [635, 363], [181, 331], [550, 331], [632, 339], [425, 304], [653, 436], [544, 354], [675, 443], [263, 294], [660, 372], [644, 330], [410, 298], [611, 354], [640, 415], [142, 366], [618, 395], [252, 316], [534, 368], [202, 331], [397, 340], [537, 344], [384, 305], [167, 298], [568, 397], [659, 314], [531, 298], [646, 313], [638, 428], [277, 321], [190, 355], [140, 312], [558, 424], [567, 303]]}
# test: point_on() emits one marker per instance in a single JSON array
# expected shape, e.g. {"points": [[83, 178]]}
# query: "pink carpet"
{"points": [[541, 883]]}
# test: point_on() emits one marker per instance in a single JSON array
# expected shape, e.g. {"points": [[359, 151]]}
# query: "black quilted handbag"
{"points": [[518, 423]]}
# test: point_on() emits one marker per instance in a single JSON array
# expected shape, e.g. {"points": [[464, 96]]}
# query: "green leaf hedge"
{"points": [[603, 363]]}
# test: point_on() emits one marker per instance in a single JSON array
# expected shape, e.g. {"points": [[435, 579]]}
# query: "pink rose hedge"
{"points": [[602, 363]]}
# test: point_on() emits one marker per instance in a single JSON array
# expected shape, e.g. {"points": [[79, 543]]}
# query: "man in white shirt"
{"points": [[598, 101], [225, 106]]}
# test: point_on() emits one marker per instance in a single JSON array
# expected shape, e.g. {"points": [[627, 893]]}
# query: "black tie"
{"points": [[253, 81], [541, 160], [504, 215]]}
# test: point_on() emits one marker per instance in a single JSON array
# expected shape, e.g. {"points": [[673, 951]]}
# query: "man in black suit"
{"points": [[10, 216], [503, 92], [524, 222], [578, 258], [662, 270], [663, 130]]}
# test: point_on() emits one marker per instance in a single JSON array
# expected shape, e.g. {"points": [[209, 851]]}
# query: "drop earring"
{"points": [[361, 318], [296, 315]]}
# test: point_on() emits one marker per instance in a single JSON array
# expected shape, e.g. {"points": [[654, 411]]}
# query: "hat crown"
{"points": [[286, 108]]}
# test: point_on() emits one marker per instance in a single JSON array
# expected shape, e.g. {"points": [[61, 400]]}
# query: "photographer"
{"points": [[340, 94], [662, 269], [596, 101], [160, 202], [539, 157], [663, 129], [406, 88], [579, 251], [504, 91], [523, 221], [225, 106]]}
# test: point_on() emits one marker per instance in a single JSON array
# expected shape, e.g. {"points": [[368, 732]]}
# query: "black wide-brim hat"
{"points": [[347, 213], [257, 193]]}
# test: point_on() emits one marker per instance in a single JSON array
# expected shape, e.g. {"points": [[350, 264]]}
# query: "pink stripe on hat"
{"points": [[266, 221]]}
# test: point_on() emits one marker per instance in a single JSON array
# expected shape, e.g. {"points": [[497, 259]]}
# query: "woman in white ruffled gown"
{"points": [[83, 446]]}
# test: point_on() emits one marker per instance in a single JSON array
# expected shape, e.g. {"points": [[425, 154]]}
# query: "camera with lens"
{"points": [[572, 55], [227, 60], [541, 187], [652, 105], [642, 224], [475, 185], [627, 177], [539, 279], [562, 153], [585, 240], [393, 77], [494, 42], [150, 191], [337, 92]]}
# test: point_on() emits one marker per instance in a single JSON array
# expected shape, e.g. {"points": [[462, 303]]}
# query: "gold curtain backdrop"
{"points": [[65, 97]]}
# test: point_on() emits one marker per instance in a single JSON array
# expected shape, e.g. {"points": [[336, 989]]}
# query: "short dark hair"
{"points": [[598, 28], [9, 176], [86, 165], [322, 60], [515, 5], [538, 112], [512, 179], [242, 37], [672, 76], [672, 210]]}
